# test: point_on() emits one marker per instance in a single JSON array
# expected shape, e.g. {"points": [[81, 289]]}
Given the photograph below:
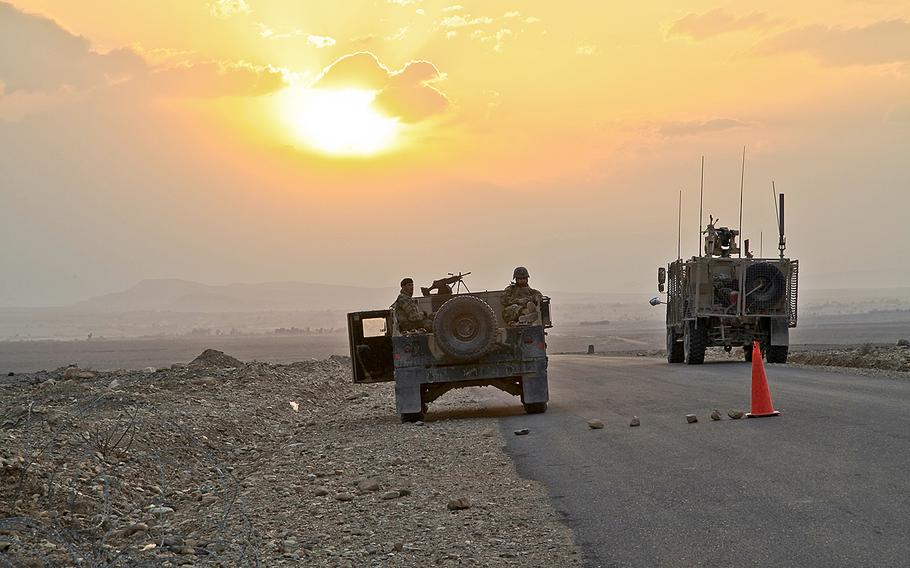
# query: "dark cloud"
{"points": [[694, 127], [215, 79], [408, 93], [41, 56], [876, 44], [718, 22]]}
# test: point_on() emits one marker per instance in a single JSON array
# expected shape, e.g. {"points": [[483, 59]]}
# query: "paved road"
{"points": [[825, 484]]}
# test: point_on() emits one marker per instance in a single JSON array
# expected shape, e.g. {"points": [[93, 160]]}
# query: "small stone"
{"points": [[320, 491], [11, 374], [691, 418], [398, 546], [735, 414], [459, 504], [404, 492], [390, 495], [160, 510], [635, 422], [149, 370], [595, 424], [344, 497], [368, 485], [115, 384], [418, 423], [522, 432], [903, 342], [715, 414], [77, 373], [184, 550], [137, 528]]}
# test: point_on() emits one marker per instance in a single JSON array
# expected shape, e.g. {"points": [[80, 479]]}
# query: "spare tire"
{"points": [[465, 328], [765, 286]]}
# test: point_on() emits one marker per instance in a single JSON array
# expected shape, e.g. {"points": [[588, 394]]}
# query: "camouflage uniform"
{"points": [[520, 304], [408, 316]]}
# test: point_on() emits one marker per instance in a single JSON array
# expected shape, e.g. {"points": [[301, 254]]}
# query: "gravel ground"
{"points": [[231, 464]]}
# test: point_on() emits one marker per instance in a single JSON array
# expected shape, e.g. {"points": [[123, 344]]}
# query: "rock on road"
{"points": [[825, 484]]}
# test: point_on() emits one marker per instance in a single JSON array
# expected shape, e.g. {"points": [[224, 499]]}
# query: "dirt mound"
{"points": [[256, 465], [863, 357], [214, 359]]}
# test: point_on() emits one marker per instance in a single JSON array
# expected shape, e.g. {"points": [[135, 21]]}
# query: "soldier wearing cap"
{"points": [[520, 302], [406, 312]]}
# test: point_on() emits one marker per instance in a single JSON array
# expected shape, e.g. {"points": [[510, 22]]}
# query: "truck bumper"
{"points": [[410, 381]]}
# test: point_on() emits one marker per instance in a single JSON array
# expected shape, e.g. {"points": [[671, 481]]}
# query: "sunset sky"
{"points": [[355, 142]]}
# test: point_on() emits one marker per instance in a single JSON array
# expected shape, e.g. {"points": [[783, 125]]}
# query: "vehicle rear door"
{"points": [[370, 339]]}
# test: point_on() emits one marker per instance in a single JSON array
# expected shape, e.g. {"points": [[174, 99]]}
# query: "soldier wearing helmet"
{"points": [[520, 302]]}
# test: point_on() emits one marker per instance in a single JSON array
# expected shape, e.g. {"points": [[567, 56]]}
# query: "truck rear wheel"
{"points": [[695, 342], [535, 407], [412, 417], [675, 348], [778, 353]]}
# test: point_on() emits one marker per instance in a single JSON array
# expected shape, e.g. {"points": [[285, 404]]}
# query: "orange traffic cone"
{"points": [[761, 396]]}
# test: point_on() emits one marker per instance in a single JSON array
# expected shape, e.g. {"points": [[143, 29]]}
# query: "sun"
{"points": [[340, 122]]}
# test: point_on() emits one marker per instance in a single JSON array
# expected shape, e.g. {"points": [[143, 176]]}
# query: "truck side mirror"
{"points": [[661, 278], [660, 287]]}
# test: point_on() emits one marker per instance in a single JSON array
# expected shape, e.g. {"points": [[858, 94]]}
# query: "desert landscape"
{"points": [[412, 283]]}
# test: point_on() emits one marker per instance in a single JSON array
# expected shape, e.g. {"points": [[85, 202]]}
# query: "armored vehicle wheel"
{"points": [[778, 353], [675, 348], [765, 286], [695, 342], [465, 328], [747, 353], [412, 417], [535, 407]]}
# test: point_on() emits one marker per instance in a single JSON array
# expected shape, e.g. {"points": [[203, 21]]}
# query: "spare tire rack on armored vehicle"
{"points": [[465, 328]]}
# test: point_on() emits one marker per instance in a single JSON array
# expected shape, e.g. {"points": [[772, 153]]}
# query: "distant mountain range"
{"points": [[168, 294], [173, 295]]}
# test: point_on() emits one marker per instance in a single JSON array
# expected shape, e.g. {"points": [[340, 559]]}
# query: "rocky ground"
{"points": [[896, 358], [893, 359], [226, 463]]}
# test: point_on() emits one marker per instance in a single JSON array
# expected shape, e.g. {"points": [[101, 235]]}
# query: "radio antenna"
{"points": [[701, 201], [742, 183], [679, 228]]}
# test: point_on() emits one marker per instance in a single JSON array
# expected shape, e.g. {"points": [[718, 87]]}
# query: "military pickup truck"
{"points": [[469, 345]]}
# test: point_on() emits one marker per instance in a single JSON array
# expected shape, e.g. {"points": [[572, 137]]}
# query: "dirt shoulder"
{"points": [[214, 465], [891, 359]]}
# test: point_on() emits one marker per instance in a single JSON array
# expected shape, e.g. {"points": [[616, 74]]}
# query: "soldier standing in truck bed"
{"points": [[406, 312], [520, 302]]}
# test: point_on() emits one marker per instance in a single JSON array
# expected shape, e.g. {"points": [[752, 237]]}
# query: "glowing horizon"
{"points": [[530, 132]]}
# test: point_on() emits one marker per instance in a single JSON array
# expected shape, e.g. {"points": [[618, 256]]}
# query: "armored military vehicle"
{"points": [[725, 299], [469, 344]]}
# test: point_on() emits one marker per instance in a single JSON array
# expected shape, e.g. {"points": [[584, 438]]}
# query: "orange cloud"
{"points": [[408, 93], [42, 56], [49, 58], [876, 44], [694, 127], [718, 22]]}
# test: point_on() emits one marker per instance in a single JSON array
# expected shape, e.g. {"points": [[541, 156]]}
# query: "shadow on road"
{"points": [[498, 411]]}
